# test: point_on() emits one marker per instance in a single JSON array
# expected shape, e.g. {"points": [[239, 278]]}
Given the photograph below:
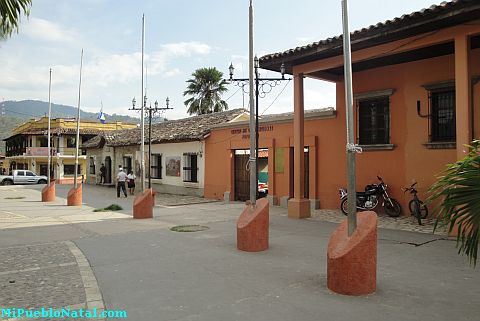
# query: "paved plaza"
{"points": [[59, 256]]}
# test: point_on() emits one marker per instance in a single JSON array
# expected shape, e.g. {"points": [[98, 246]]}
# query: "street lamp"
{"points": [[263, 86], [151, 111]]}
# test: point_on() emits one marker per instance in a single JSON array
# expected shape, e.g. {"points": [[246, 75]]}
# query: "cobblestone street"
{"points": [[53, 275], [404, 223]]}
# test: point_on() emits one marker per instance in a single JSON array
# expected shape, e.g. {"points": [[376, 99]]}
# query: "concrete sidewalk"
{"points": [[156, 274]]}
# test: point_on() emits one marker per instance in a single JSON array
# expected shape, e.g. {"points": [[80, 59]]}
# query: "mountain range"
{"points": [[27, 109], [14, 113]]}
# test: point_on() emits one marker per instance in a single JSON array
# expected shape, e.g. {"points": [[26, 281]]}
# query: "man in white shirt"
{"points": [[121, 179]]}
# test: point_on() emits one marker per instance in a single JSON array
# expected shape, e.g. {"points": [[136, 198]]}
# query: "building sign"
{"points": [[39, 151], [172, 166], [245, 132]]}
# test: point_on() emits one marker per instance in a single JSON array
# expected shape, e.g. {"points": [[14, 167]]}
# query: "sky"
{"points": [[180, 37]]}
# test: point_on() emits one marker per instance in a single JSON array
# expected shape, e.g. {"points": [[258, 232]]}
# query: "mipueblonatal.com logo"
{"points": [[17, 313]]}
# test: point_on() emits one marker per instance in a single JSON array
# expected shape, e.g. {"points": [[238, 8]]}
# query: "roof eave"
{"points": [[374, 36]]}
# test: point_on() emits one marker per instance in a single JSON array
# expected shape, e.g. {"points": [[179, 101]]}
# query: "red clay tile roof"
{"points": [[436, 17], [173, 131]]}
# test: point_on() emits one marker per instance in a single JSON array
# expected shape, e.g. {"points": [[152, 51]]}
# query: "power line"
{"points": [[281, 92]]}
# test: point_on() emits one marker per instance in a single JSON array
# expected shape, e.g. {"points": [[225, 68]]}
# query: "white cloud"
{"points": [[172, 73], [161, 58], [44, 30], [185, 49]]}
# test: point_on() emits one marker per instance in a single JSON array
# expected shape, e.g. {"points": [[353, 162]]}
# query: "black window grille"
{"points": [[70, 169], [190, 169], [156, 166], [127, 164], [443, 126], [92, 165], [374, 121], [71, 142]]}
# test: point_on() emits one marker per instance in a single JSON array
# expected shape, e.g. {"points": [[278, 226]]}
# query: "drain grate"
{"points": [[188, 228]]}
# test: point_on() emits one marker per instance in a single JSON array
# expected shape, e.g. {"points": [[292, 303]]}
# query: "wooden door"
{"points": [[242, 178]]}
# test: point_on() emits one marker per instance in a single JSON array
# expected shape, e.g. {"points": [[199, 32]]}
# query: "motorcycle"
{"points": [[370, 198]]}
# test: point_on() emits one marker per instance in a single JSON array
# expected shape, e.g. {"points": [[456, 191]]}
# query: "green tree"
{"points": [[205, 90], [10, 12], [457, 192]]}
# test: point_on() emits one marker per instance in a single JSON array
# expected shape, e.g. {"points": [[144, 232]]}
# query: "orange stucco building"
{"points": [[416, 104]]}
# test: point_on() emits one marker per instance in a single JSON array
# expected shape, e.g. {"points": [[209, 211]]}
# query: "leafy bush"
{"points": [[458, 192], [113, 207]]}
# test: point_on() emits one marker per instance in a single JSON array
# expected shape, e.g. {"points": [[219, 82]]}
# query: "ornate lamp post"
{"points": [[151, 112], [263, 86]]}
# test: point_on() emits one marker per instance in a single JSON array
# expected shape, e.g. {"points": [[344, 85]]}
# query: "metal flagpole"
{"points": [[77, 140], [49, 162], [142, 146], [351, 148], [252, 159]]}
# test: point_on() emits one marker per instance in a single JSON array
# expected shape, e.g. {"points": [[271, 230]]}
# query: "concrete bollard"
{"points": [[352, 261], [48, 192], [143, 205], [252, 227], [74, 196]]}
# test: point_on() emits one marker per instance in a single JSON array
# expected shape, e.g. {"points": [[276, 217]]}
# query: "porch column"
{"points": [[298, 206], [463, 98]]}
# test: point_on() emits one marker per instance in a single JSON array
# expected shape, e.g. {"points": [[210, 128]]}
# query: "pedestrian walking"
{"points": [[121, 179], [131, 182], [103, 173]]}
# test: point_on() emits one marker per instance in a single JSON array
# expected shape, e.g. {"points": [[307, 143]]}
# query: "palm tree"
{"points": [[458, 194], [10, 12], [205, 88]]}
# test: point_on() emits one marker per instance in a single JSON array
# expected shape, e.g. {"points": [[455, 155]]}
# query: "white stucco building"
{"points": [[177, 163]]}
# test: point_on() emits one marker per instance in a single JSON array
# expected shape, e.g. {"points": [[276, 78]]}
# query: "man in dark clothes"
{"points": [[103, 173]]}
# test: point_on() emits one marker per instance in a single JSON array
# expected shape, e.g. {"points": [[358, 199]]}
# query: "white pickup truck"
{"points": [[22, 177]]}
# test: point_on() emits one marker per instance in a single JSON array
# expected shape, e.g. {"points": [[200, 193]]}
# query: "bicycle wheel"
{"points": [[423, 209], [393, 211], [344, 206], [416, 211]]}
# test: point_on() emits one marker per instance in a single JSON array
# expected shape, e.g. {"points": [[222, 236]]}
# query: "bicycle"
{"points": [[417, 208]]}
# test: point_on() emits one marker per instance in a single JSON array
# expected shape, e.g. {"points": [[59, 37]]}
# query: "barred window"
{"points": [[190, 167], [443, 125], [70, 169], [92, 165], [156, 166], [373, 120]]}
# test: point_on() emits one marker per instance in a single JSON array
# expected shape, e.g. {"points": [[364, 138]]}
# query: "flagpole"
{"points": [[77, 140], [351, 150], [142, 146], [49, 162], [252, 158]]}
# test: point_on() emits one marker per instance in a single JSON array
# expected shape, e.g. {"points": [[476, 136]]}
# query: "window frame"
{"points": [[372, 96], [188, 170], [73, 172], [434, 125], [157, 165], [92, 166]]}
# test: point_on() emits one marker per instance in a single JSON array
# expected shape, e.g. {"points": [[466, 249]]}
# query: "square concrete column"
{"points": [[298, 206], [463, 98]]}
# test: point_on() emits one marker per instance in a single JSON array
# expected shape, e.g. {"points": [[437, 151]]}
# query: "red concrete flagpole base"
{"points": [[48, 193], [352, 261], [252, 227], [143, 205], [74, 196]]}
